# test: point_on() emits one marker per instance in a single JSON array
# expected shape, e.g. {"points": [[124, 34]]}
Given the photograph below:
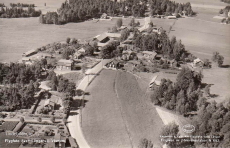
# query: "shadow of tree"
{"points": [[213, 95], [225, 66]]}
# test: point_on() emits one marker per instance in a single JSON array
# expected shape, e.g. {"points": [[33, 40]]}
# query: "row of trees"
{"points": [[167, 7], [182, 96], [17, 12]]}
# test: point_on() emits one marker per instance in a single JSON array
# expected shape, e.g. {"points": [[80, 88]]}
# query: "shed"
{"points": [[30, 52]]}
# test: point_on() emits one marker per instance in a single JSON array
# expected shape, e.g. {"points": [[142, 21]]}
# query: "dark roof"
{"points": [[101, 37], [30, 52]]}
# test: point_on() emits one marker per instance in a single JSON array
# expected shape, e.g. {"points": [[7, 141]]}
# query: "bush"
{"points": [[119, 23]]}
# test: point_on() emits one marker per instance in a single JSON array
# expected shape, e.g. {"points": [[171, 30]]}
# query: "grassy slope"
{"points": [[143, 120], [103, 124]]}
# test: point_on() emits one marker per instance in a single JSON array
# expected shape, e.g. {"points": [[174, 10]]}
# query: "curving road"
{"points": [[74, 118]]}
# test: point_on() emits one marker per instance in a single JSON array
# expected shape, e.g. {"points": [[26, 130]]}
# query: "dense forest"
{"points": [[213, 120], [17, 12], [17, 96], [80, 10], [181, 97], [19, 84], [167, 7]]}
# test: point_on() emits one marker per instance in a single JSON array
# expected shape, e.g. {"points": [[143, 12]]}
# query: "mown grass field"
{"points": [[118, 113], [202, 38], [102, 123]]}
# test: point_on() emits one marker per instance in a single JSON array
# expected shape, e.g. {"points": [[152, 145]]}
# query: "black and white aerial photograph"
{"points": [[114, 73]]}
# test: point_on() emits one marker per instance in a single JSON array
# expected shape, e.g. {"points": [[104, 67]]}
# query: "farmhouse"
{"points": [[149, 54], [81, 50], [29, 53], [104, 16], [78, 55], [63, 64], [113, 35], [198, 63], [102, 38], [156, 80]]}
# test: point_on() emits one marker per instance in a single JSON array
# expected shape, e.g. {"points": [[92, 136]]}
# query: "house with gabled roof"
{"points": [[64, 64]]}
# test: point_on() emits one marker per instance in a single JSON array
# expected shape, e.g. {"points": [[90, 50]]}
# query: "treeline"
{"points": [[226, 1], [61, 84], [18, 96], [213, 120], [167, 7], [2, 5], [21, 5], [17, 12], [182, 96], [81, 10]]}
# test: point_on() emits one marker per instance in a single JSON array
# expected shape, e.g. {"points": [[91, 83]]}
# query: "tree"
{"points": [[68, 40], [119, 22], [39, 119], [172, 129], [207, 90], [22, 120], [145, 143], [124, 34], [52, 119], [89, 50], [217, 58]]}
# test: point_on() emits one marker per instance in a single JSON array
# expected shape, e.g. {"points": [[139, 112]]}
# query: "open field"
{"points": [[219, 78], [118, 112], [202, 38], [22, 34]]}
